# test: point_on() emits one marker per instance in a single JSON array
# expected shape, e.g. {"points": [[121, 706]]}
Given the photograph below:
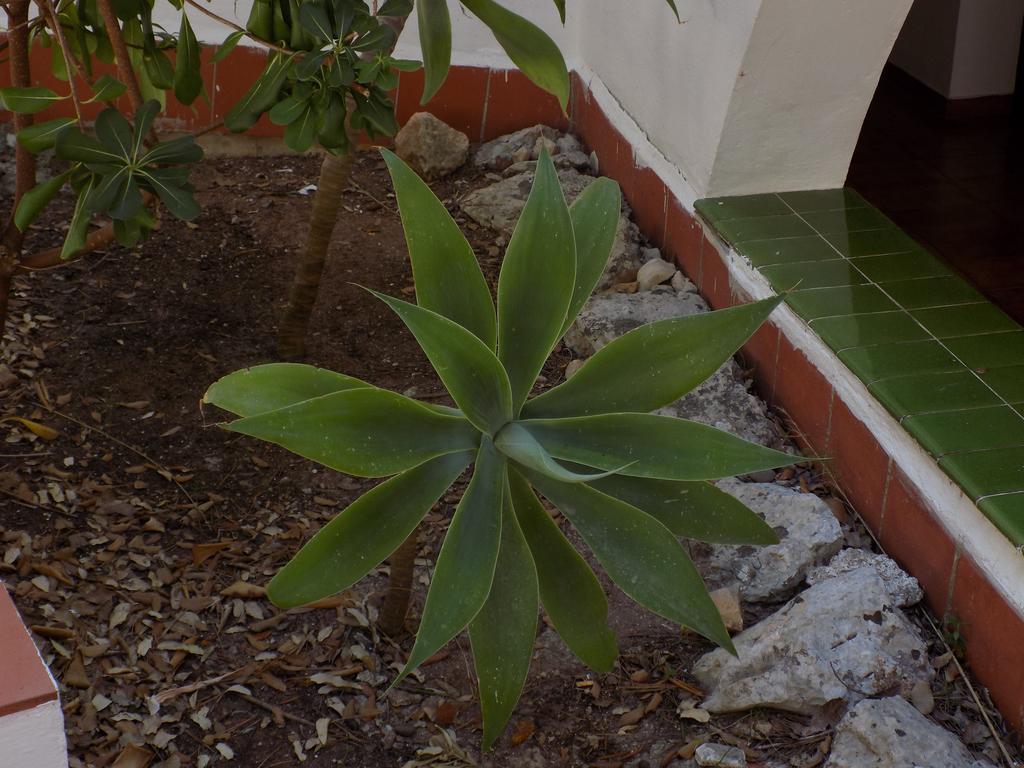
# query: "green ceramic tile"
{"points": [[933, 392], [975, 429], [964, 320], [823, 199], [989, 350], [814, 303], [716, 209], [814, 274], [864, 330], [984, 473], [762, 228], [848, 220], [885, 361], [764, 253], [872, 242], [921, 293], [900, 266], [1008, 382], [1007, 513]]}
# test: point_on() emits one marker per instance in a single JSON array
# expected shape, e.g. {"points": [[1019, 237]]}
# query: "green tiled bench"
{"points": [[948, 364]]}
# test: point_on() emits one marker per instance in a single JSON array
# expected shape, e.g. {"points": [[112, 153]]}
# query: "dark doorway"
{"points": [[952, 176]]}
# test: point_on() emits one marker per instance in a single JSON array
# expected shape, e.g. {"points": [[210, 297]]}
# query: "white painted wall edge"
{"points": [[997, 558], [34, 737]]}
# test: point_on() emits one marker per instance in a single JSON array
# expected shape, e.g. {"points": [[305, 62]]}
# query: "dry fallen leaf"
{"points": [[40, 430], [133, 757], [203, 552], [244, 589]]}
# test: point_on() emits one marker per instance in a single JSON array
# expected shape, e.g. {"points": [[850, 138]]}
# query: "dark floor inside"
{"points": [[952, 182]]}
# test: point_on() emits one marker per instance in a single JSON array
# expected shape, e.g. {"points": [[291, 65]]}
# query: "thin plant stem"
{"points": [[70, 62]]}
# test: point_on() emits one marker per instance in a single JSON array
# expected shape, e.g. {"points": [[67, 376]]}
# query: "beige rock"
{"points": [[430, 146], [572, 368], [727, 601], [654, 272]]}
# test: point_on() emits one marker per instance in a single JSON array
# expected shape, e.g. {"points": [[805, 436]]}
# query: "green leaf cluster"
{"points": [[629, 482], [110, 172]]}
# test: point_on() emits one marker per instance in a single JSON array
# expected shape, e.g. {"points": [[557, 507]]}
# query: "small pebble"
{"points": [[720, 755]]}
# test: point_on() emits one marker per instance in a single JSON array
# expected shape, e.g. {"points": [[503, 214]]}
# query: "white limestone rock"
{"points": [[499, 205], [721, 755], [901, 586], [501, 152], [890, 733], [809, 535], [840, 640], [430, 146], [654, 272]]}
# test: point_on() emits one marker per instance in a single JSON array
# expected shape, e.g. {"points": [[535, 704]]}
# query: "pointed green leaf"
{"points": [[640, 555], [465, 565], [314, 20], [301, 132], [527, 45], [653, 365], [595, 222], [158, 67], [77, 147], [28, 101], [470, 371], [179, 200], [262, 94], [367, 531], [227, 46], [536, 282], [289, 109], [78, 229], [36, 199], [107, 88], [363, 432], [660, 446], [115, 134], [503, 632], [519, 445], [435, 27], [143, 123], [691, 509], [311, 64], [672, 5], [441, 256], [183, 149], [571, 594], [188, 80], [560, 5], [331, 129], [41, 136], [127, 202], [264, 388]]}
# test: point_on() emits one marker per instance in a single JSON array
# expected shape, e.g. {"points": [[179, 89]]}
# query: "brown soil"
{"points": [[110, 518]]}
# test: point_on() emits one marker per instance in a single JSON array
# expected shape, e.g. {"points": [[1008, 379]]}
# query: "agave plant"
{"points": [[631, 483]]}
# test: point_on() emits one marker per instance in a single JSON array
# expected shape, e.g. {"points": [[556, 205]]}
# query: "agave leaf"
{"points": [[503, 632], [595, 222], [470, 371], [441, 257], [653, 365], [660, 446], [536, 282], [691, 509], [364, 432], [519, 445], [364, 533], [264, 388], [640, 555], [466, 563], [435, 27], [529, 47], [571, 594]]}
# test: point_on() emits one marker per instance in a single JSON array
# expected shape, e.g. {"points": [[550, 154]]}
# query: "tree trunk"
{"points": [[334, 176], [396, 599], [25, 161]]}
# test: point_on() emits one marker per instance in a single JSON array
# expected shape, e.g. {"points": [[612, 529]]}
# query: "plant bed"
{"points": [[126, 535]]}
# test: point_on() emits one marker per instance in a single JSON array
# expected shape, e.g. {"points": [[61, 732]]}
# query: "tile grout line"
{"points": [[939, 341]]}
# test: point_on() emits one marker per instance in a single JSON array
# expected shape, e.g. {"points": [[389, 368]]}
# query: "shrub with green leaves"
{"points": [[630, 483]]}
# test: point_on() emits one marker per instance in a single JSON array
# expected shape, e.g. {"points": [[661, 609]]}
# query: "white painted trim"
{"points": [[34, 737], [973, 533]]}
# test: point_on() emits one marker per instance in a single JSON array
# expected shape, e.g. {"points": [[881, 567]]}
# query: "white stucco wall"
{"points": [[34, 738], [962, 49]]}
